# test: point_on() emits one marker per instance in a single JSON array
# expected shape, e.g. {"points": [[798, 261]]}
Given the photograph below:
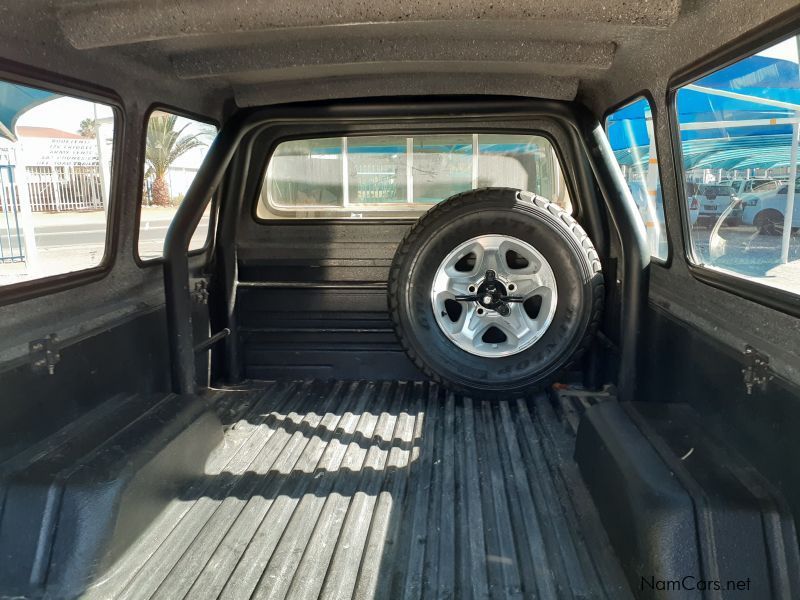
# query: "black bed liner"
{"points": [[376, 490]]}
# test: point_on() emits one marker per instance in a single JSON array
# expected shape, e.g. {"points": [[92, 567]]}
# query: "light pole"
{"points": [[791, 185], [102, 161], [788, 216]]}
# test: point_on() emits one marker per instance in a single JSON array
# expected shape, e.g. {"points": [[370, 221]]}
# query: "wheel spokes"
{"points": [[491, 278]]}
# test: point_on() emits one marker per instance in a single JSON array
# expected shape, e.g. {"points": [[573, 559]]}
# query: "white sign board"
{"points": [[59, 152]]}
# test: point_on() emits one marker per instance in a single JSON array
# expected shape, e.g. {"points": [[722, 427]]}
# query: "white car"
{"points": [[759, 186], [714, 199], [692, 202], [766, 211]]}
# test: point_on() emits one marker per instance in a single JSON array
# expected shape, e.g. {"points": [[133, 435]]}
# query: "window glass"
{"points": [[377, 170], [442, 166], [524, 162], [399, 176], [174, 150], [630, 132], [763, 186], [55, 173], [739, 136], [305, 174]]}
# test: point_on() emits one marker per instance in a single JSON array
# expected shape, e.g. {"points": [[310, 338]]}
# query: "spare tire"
{"points": [[495, 291]]}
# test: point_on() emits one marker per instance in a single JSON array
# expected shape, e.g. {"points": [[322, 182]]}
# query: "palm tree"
{"points": [[165, 144], [88, 128]]}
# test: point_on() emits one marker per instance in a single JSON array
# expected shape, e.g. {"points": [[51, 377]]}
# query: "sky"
{"points": [[67, 113], [63, 113], [786, 50]]}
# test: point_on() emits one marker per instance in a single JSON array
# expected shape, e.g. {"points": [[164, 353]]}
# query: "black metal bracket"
{"points": [[200, 292], [44, 354], [756, 372]]}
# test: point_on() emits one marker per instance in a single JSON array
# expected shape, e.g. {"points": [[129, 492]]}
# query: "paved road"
{"points": [[60, 235], [744, 249]]}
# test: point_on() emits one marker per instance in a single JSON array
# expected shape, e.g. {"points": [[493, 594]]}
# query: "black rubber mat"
{"points": [[377, 490]]}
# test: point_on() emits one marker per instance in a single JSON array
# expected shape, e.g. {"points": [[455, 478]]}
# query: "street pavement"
{"points": [[53, 232], [68, 242], [742, 250]]}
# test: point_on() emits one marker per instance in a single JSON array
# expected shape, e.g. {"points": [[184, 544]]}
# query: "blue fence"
{"points": [[12, 246]]}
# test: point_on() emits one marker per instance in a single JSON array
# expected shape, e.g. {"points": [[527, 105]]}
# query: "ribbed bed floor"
{"points": [[377, 490]]}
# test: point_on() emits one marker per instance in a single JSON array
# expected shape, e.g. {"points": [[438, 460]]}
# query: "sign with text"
{"points": [[60, 152]]}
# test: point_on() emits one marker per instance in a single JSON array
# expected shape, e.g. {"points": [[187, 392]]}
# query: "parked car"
{"points": [[692, 202], [758, 186], [713, 200], [767, 211]]}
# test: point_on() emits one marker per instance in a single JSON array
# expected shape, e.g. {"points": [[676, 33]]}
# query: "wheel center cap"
{"points": [[491, 292]]}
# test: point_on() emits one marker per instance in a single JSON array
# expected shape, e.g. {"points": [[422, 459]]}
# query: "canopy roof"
{"points": [[16, 100], [746, 152], [762, 146]]}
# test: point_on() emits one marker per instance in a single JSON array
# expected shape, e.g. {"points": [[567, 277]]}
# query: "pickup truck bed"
{"points": [[376, 490]]}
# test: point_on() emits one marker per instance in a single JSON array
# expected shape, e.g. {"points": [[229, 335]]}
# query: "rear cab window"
{"points": [[630, 133], [738, 138], [55, 182], [395, 176]]}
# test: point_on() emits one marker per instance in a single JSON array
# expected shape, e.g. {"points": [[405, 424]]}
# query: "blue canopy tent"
{"points": [[16, 100], [746, 152], [727, 147], [742, 117]]}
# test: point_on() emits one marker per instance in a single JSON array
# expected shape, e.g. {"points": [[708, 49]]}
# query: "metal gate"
{"points": [[12, 244], [64, 188]]}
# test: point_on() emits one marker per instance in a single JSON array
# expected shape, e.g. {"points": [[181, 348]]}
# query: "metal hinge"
{"points": [[44, 354], [200, 292], [756, 372]]}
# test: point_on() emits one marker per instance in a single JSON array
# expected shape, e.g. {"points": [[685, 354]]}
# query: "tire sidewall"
{"points": [[503, 215]]}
